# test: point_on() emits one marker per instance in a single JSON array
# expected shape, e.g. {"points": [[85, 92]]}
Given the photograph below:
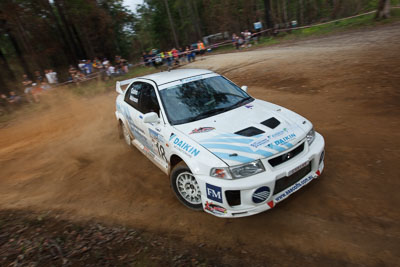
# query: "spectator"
{"points": [[168, 56], [81, 65], [27, 84], [235, 41], [97, 66], [14, 98], [201, 48], [51, 76], [88, 68], [124, 66], [38, 77], [175, 54], [182, 55], [189, 54], [111, 71], [105, 62]]}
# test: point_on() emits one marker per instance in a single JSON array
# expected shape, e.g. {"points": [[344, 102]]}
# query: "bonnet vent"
{"points": [[251, 131], [271, 123]]}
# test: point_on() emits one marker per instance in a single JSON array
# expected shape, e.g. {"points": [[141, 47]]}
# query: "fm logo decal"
{"points": [[214, 192]]}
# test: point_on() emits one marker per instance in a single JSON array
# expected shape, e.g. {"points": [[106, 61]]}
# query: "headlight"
{"points": [[247, 169], [240, 171], [310, 136]]}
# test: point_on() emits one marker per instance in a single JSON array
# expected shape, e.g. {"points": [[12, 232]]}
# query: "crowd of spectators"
{"points": [[245, 39], [88, 69], [157, 58], [32, 88]]}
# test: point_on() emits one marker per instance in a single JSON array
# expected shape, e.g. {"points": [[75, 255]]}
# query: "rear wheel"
{"points": [[185, 186]]}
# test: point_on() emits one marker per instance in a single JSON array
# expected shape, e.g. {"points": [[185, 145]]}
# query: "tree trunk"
{"points": [[171, 24], [67, 27], [383, 11], [196, 19], [6, 67], [301, 12], [71, 56], [267, 11], [278, 11], [337, 5], [19, 54], [285, 16]]}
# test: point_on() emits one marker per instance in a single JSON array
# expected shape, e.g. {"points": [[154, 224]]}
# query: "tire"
{"points": [[125, 134], [185, 186]]}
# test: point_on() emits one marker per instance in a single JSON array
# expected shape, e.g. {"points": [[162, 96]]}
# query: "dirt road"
{"points": [[69, 158]]}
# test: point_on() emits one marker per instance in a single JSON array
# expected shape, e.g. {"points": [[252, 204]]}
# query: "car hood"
{"points": [[253, 131]]}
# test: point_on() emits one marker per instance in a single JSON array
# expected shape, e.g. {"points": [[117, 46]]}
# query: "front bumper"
{"points": [[238, 198]]}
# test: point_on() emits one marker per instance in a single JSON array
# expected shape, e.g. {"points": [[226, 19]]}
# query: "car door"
{"points": [[132, 114], [156, 132]]}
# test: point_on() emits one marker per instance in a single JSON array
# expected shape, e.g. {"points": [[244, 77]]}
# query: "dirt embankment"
{"points": [[69, 158]]}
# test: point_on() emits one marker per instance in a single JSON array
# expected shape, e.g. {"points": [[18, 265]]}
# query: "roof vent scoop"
{"points": [[271, 123], [251, 131]]}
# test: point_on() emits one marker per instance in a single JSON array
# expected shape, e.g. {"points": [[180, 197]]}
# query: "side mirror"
{"points": [[150, 117], [244, 88]]}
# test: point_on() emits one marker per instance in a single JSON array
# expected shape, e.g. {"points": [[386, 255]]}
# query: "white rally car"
{"points": [[224, 151]]}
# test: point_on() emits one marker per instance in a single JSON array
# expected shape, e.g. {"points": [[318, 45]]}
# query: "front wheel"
{"points": [[185, 186]]}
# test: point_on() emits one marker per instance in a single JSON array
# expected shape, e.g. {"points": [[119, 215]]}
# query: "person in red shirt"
{"points": [[175, 54]]}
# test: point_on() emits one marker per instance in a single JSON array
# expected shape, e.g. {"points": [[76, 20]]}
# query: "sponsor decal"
{"points": [[156, 136], [261, 194], [294, 188], [271, 204], [202, 130], [171, 136], [281, 141], [298, 168], [259, 143], [285, 139], [284, 130], [184, 147], [191, 79], [250, 106], [214, 192], [214, 208]]}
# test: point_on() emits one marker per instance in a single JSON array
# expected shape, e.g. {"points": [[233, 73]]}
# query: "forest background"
{"points": [[54, 34]]}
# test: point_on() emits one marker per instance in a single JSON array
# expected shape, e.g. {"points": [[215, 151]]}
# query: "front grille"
{"points": [[287, 156], [233, 197], [287, 181]]}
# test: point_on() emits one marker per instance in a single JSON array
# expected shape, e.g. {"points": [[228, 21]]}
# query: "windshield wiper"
{"points": [[241, 101]]}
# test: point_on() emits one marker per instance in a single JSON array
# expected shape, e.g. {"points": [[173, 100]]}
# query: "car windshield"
{"points": [[201, 99]]}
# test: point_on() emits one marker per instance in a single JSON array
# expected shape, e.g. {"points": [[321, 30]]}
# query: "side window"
{"points": [[132, 95], [148, 100]]}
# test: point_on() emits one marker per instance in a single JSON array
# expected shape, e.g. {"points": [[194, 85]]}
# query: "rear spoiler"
{"points": [[121, 83]]}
